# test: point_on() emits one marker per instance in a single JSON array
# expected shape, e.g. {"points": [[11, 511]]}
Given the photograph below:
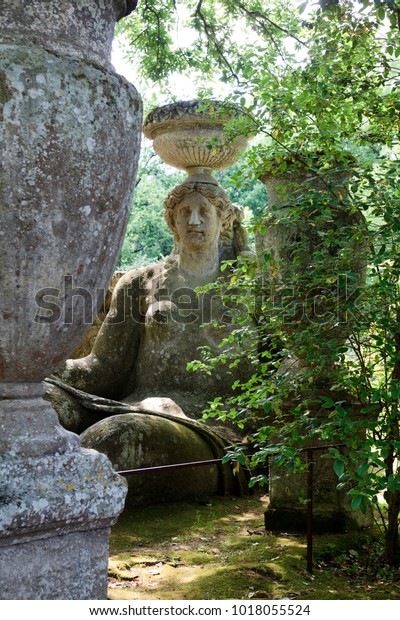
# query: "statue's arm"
{"points": [[111, 363]]}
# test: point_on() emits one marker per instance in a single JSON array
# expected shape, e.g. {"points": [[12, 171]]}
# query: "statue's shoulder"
{"points": [[141, 277]]}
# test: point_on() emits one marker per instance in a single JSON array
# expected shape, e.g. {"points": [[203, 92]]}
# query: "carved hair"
{"points": [[213, 193], [233, 237]]}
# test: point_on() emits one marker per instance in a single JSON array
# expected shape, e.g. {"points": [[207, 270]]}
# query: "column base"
{"points": [[57, 503], [60, 566], [332, 510], [295, 521]]}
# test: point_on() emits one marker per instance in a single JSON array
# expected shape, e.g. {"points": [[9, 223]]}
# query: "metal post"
{"points": [[310, 482]]}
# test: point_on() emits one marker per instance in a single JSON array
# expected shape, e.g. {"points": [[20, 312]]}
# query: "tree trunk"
{"points": [[392, 546]]}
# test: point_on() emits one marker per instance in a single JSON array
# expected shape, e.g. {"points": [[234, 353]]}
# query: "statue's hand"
{"points": [[70, 372], [59, 372]]}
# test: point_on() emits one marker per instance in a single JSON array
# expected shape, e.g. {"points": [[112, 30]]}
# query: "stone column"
{"points": [[70, 137], [297, 248], [294, 244]]}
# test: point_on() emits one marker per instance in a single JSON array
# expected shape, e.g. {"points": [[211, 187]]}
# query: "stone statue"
{"points": [[157, 321], [155, 326]]}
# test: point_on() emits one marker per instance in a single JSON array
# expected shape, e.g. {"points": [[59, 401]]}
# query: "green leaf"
{"points": [[395, 391], [393, 484], [363, 469], [302, 7], [261, 480], [356, 502], [328, 402], [338, 467]]}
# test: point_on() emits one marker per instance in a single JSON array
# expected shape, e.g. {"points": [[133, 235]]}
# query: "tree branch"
{"points": [[257, 14], [210, 33]]}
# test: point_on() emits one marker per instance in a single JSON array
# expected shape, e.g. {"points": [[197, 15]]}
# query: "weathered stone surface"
{"points": [[332, 510], [69, 566], [72, 491], [57, 503], [154, 327], [84, 29], [87, 343], [62, 199], [137, 440], [156, 321], [72, 414], [33, 418], [173, 128], [297, 248]]}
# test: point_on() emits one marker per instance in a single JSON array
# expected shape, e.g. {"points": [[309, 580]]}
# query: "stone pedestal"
{"points": [[313, 280], [332, 512], [57, 503], [70, 566], [308, 289]]}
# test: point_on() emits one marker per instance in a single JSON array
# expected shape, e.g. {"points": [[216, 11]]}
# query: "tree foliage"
{"points": [[148, 238]]}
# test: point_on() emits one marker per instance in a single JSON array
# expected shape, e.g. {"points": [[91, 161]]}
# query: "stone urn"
{"points": [[190, 135], [70, 138]]}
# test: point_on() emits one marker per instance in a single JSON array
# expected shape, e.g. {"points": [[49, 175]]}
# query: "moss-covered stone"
{"points": [[5, 91]]}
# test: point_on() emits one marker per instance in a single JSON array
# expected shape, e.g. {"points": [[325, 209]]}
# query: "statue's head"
{"points": [[213, 194], [219, 211]]}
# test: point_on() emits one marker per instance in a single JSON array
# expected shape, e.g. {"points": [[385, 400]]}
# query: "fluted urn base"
{"points": [[57, 503]]}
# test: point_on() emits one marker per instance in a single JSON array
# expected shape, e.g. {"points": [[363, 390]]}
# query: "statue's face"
{"points": [[197, 222]]}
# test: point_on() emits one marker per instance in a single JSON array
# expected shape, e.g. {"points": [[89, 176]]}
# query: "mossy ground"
{"points": [[220, 550]]}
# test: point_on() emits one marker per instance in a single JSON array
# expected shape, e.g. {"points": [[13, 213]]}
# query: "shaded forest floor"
{"points": [[220, 550]]}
